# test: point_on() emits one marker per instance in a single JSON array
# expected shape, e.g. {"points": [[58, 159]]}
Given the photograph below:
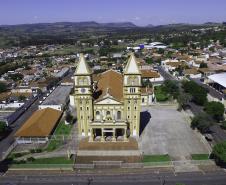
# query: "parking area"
{"points": [[168, 132]]}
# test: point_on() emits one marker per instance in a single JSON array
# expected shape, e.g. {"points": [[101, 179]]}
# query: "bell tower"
{"points": [[132, 95], [83, 96]]}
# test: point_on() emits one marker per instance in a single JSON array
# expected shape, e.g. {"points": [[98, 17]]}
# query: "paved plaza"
{"points": [[167, 131]]}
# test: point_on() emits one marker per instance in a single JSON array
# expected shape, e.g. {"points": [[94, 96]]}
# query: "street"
{"points": [[153, 178], [165, 74], [6, 142]]}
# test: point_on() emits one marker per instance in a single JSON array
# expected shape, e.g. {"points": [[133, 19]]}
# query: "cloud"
{"points": [[137, 18]]}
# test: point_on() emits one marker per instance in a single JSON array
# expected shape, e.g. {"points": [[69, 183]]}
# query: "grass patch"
{"points": [[160, 94], [200, 156], [61, 129], [156, 158]]}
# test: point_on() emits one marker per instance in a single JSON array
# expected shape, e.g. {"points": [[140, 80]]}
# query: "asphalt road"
{"points": [[166, 178], [6, 142], [165, 74]]}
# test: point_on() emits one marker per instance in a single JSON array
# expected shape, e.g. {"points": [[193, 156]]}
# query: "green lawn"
{"points": [[156, 158], [61, 129], [200, 156], [160, 94]]}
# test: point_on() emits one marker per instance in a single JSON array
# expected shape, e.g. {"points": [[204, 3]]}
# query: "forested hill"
{"points": [[70, 32]]}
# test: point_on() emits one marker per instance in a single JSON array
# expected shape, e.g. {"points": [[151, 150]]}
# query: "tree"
{"points": [[16, 77], [69, 117], [149, 61], [215, 109], [183, 100], [22, 98], [3, 87], [223, 125], [171, 87], [199, 94], [3, 127], [146, 83], [203, 65], [219, 152], [202, 122], [160, 51]]}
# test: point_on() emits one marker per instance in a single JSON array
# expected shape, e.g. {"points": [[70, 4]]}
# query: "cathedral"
{"points": [[108, 104]]}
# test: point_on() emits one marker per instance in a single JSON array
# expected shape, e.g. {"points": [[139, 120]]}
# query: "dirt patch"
{"points": [[130, 145]]}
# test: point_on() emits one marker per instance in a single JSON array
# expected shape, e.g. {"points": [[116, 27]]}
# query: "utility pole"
{"points": [[90, 179]]}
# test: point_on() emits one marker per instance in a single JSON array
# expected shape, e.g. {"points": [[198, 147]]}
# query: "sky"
{"points": [[140, 12]]}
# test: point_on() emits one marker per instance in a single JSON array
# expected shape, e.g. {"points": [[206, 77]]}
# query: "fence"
{"points": [[41, 166], [109, 164], [120, 164]]}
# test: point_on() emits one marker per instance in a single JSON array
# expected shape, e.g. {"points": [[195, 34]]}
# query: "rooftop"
{"points": [[193, 71], [40, 124], [149, 74], [58, 96], [219, 78], [110, 82]]}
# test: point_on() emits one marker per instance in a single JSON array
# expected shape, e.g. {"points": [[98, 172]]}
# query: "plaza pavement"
{"points": [[168, 132]]}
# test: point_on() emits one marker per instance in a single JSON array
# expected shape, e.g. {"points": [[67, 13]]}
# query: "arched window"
{"points": [[119, 115], [97, 115], [108, 115], [85, 81], [80, 81], [135, 81]]}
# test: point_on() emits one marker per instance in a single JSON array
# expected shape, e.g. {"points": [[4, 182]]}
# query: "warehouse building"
{"points": [[38, 127]]}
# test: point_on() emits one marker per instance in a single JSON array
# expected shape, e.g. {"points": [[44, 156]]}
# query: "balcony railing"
{"points": [[121, 122]]}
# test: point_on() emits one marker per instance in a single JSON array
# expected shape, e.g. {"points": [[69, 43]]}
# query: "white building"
{"points": [[57, 99]]}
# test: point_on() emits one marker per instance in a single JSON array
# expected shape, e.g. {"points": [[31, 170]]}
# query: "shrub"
{"points": [[223, 125], [171, 87], [199, 94], [39, 150], [215, 109], [32, 150], [17, 155], [202, 122], [20, 162], [30, 159], [219, 153], [3, 127], [3, 87]]}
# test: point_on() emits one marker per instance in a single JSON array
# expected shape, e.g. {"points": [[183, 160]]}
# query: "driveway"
{"points": [[168, 132]]}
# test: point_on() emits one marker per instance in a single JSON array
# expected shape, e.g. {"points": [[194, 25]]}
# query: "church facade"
{"points": [[108, 104]]}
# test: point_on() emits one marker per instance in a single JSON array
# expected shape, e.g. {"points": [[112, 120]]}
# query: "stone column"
{"points": [[113, 135], [124, 135], [102, 135], [91, 135]]}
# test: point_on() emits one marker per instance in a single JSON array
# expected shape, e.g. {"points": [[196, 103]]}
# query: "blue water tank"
{"points": [[141, 46]]}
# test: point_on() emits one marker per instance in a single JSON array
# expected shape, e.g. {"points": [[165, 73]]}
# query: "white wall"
{"points": [[57, 107], [30, 140], [10, 105]]}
